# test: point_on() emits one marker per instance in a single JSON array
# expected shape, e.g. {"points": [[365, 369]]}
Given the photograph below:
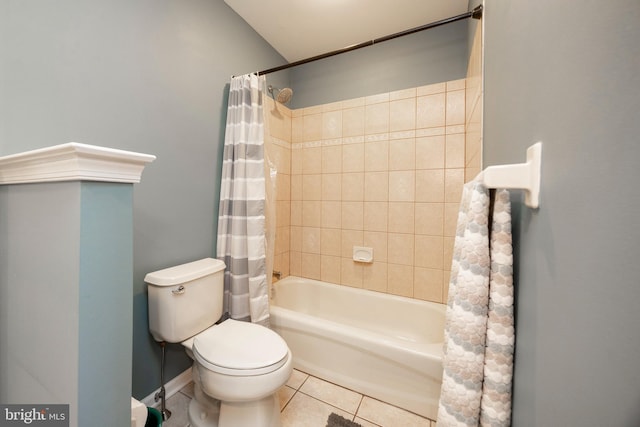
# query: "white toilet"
{"points": [[238, 366]]}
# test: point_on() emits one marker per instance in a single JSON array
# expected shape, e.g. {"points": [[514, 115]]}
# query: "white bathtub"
{"points": [[384, 346]]}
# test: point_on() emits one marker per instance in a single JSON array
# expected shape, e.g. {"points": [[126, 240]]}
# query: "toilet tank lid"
{"points": [[185, 272]]}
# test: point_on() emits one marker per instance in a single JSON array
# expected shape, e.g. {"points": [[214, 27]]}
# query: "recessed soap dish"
{"points": [[362, 254]]}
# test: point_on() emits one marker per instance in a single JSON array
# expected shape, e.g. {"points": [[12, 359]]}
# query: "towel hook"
{"points": [[524, 176]]}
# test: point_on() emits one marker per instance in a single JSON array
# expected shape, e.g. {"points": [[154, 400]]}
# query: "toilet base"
{"points": [[262, 413], [205, 411], [259, 413], [202, 416]]}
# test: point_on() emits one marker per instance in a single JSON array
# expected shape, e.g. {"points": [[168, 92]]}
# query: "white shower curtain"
{"points": [[241, 222]]}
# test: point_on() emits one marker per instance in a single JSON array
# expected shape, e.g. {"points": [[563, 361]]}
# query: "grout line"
{"points": [[327, 403], [289, 401], [358, 408], [295, 390], [337, 385], [184, 394], [305, 380], [362, 396]]}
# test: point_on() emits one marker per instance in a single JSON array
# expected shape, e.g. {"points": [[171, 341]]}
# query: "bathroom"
{"points": [[151, 78]]}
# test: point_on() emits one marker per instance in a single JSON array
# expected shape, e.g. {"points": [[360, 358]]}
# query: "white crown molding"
{"points": [[73, 162]]}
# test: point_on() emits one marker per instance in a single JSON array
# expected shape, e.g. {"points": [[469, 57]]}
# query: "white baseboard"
{"points": [[170, 388]]}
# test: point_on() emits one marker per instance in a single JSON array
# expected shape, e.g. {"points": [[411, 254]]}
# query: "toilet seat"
{"points": [[240, 349]]}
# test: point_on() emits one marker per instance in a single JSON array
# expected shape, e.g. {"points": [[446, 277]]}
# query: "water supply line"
{"points": [[161, 395]]}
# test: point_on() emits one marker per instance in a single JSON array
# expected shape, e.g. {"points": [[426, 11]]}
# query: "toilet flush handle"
{"points": [[178, 291]]}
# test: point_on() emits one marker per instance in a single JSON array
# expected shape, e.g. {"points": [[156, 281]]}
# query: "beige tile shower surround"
{"points": [[384, 171]]}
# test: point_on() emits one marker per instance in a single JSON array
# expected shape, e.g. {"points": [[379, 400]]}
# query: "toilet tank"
{"points": [[185, 300]]}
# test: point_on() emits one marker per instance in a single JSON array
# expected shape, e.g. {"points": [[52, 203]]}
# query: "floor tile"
{"points": [[332, 394], [308, 401], [305, 411], [387, 415], [365, 423], [285, 393], [188, 390], [178, 404], [296, 379]]}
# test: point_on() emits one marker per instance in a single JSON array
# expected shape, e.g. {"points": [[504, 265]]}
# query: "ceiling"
{"points": [[300, 29]]}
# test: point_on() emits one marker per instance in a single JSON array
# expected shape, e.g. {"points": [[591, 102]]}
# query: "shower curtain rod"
{"points": [[475, 14]]}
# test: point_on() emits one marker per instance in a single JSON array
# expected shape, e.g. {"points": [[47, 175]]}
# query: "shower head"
{"points": [[283, 95]]}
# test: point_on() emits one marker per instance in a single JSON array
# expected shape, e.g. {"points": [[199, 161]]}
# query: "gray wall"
{"points": [[39, 253], [568, 74], [472, 25], [65, 298], [423, 58], [148, 76], [104, 302]]}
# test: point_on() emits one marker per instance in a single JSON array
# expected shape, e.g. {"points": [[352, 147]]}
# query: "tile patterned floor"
{"points": [[307, 401]]}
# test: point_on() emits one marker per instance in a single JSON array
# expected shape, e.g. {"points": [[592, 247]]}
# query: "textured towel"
{"points": [[495, 409], [479, 333]]}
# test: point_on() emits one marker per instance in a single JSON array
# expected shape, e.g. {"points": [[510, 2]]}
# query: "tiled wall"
{"points": [[384, 171]]}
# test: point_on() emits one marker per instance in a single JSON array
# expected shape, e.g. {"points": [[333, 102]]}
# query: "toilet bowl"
{"points": [[243, 378], [238, 366]]}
